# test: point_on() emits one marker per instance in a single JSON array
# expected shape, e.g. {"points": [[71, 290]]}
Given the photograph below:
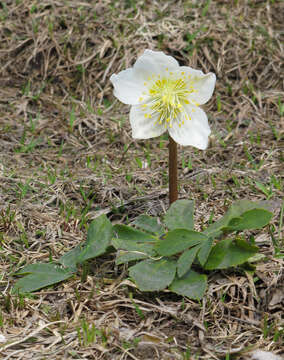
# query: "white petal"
{"points": [[194, 131], [142, 127], [264, 355], [2, 338], [127, 88], [154, 63], [204, 84]]}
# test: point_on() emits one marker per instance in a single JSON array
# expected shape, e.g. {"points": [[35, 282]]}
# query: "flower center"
{"points": [[167, 98], [169, 92]]}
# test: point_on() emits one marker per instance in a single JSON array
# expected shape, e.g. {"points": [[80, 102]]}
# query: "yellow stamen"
{"points": [[168, 96]]}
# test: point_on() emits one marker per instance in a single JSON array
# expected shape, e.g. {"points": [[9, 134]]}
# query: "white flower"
{"points": [[264, 355], [165, 96], [2, 338]]}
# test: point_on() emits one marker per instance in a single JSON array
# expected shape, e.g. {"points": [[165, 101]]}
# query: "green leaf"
{"points": [[129, 233], [127, 256], [227, 253], [204, 251], [256, 258], [131, 245], [250, 220], [71, 258], [137, 244], [180, 215], [151, 275], [186, 259], [178, 240], [39, 276], [191, 284], [99, 237], [149, 224], [237, 211]]}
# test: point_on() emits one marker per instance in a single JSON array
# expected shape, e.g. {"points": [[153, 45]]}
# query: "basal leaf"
{"points": [[130, 250], [130, 245], [98, 239], [250, 220], [124, 256], [180, 215], [129, 233], [40, 275], [151, 275], [186, 259], [236, 211], [178, 240], [71, 258], [227, 253], [99, 236], [204, 251], [191, 284], [149, 224]]}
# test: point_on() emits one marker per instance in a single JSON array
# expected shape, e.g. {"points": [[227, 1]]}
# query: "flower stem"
{"points": [[173, 191]]}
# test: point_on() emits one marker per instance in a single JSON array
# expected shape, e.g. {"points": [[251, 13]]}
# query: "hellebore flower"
{"points": [[165, 96]]}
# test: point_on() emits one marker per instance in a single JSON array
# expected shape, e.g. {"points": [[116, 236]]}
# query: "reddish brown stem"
{"points": [[173, 190]]}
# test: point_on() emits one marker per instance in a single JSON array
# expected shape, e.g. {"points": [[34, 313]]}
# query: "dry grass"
{"points": [[66, 156]]}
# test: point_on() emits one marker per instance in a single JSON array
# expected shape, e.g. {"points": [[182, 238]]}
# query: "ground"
{"points": [[67, 156]]}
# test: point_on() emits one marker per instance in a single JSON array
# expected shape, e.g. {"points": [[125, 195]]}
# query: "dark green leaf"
{"points": [[129, 233], [204, 251], [70, 259], [137, 244], [227, 253], [149, 224], [127, 256], [99, 236], [186, 259], [151, 275], [250, 220], [178, 240], [40, 275], [237, 210], [130, 245], [191, 284], [180, 215]]}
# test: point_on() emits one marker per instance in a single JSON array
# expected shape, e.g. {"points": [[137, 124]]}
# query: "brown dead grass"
{"points": [[56, 59]]}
